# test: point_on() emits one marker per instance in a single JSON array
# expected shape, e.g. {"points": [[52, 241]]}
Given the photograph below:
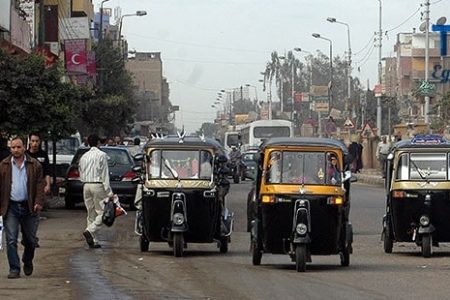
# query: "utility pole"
{"points": [[293, 88], [427, 47], [41, 24], [380, 36]]}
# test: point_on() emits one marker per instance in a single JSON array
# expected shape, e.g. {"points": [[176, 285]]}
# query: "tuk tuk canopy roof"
{"points": [[406, 144], [175, 141], [305, 141]]}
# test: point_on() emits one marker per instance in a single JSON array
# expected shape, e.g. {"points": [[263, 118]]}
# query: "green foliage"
{"points": [[112, 108], [33, 98]]}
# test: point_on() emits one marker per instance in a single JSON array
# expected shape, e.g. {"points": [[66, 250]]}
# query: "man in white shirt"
{"points": [[94, 173], [382, 153]]}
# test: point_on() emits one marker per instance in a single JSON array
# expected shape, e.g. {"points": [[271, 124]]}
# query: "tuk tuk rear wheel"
{"points": [[345, 256], [300, 258], [388, 244], [144, 243], [178, 244], [427, 241], [256, 254], [224, 245]]}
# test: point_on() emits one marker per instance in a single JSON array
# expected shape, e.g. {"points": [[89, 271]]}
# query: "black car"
{"points": [[121, 176], [249, 165]]}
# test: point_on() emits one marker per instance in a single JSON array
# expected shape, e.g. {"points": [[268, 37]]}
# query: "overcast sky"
{"points": [[209, 45]]}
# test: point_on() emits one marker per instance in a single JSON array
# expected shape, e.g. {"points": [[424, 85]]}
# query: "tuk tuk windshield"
{"points": [[291, 167], [180, 164], [420, 166]]}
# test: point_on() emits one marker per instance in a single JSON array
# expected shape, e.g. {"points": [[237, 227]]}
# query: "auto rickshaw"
{"points": [[300, 202], [182, 196], [418, 193]]}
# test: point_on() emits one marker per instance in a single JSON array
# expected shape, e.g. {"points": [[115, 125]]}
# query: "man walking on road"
{"points": [[35, 151], [94, 173], [382, 153], [21, 199]]}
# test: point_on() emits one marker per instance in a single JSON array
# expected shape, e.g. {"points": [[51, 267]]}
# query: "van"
{"points": [[65, 151]]}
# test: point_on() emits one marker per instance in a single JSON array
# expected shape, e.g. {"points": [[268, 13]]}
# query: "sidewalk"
{"points": [[370, 176]]}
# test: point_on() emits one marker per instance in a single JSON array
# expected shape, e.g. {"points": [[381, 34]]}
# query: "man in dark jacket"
{"points": [[21, 199]]}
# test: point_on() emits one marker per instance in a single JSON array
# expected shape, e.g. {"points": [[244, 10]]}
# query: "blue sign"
{"points": [[443, 75], [442, 29]]}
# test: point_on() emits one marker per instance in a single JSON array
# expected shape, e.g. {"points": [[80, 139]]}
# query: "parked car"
{"points": [[121, 176], [249, 165]]}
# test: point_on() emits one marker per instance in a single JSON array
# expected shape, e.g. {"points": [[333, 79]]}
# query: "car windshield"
{"points": [[422, 166], [248, 156], [303, 168], [191, 164], [65, 146]]}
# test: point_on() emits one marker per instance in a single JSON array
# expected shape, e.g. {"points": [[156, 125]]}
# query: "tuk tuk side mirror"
{"points": [[139, 157], [137, 169], [348, 175]]}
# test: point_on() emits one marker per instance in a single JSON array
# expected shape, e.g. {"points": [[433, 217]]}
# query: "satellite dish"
{"points": [[441, 21], [423, 26]]}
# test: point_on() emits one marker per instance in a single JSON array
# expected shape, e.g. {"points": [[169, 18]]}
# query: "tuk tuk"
{"points": [[300, 202], [418, 193], [182, 195]]}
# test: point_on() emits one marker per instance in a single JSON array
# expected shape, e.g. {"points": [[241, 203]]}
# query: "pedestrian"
{"points": [[94, 174], [21, 200], [382, 153], [353, 149], [359, 163], [36, 152]]}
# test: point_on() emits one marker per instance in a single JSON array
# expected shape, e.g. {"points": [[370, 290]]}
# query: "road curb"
{"points": [[370, 179]]}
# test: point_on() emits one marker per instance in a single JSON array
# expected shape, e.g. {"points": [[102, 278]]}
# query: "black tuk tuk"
{"points": [[182, 194], [301, 200], [418, 193]]}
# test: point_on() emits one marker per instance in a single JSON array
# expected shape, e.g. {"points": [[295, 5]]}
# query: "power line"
{"points": [[367, 45], [200, 45], [407, 19]]}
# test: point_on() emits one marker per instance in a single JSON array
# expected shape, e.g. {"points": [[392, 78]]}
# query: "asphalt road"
{"points": [[66, 269]]}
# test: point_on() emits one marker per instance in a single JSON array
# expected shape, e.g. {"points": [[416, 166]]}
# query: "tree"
{"points": [[33, 98], [111, 110]]}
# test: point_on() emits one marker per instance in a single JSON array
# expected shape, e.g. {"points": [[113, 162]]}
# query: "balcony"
{"points": [[82, 8]]}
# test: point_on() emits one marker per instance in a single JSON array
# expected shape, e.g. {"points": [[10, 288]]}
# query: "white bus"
{"points": [[252, 134]]}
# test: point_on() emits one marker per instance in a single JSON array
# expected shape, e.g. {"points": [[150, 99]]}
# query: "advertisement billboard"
{"points": [[29, 13], [5, 15], [74, 28], [76, 56]]}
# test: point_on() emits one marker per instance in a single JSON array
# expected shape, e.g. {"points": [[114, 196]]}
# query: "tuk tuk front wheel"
{"points": [[178, 244], [427, 241], [144, 243], [256, 254], [300, 258]]}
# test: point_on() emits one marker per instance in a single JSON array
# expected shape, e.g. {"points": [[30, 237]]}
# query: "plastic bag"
{"points": [[109, 213]]}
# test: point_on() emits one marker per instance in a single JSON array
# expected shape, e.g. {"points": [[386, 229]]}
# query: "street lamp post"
{"points": [[427, 58], [330, 87], [100, 36], [138, 13], [380, 37], [349, 62], [269, 94], [282, 86]]}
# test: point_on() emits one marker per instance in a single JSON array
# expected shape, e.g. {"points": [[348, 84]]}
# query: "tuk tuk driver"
{"points": [[333, 173]]}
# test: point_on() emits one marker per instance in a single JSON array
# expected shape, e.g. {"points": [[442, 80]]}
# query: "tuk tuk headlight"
{"points": [[301, 228], [424, 220], [178, 219]]}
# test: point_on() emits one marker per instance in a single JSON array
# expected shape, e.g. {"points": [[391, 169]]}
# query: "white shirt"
{"points": [[383, 148], [93, 167]]}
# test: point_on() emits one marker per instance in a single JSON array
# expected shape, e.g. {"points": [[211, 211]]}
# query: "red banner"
{"points": [[76, 56], [91, 64]]}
